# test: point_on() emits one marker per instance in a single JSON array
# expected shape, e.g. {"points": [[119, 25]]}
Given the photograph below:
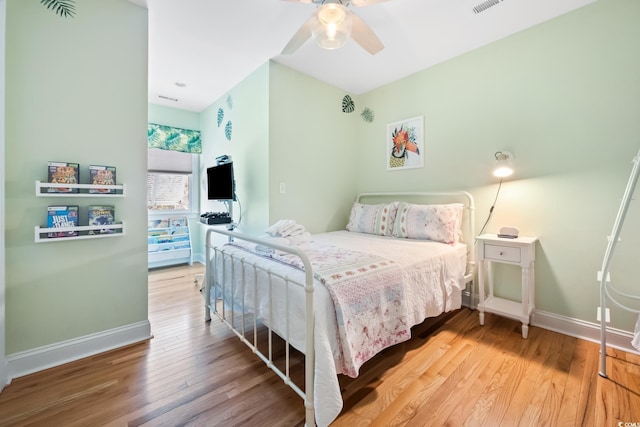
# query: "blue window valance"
{"points": [[174, 139]]}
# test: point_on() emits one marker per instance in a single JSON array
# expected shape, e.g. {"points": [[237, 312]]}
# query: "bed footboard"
{"points": [[242, 293]]}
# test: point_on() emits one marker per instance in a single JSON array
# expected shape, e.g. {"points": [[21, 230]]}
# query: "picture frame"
{"points": [[405, 144]]}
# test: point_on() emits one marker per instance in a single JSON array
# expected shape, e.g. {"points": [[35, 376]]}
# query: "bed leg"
{"points": [[603, 359], [206, 293], [207, 310], [310, 418]]}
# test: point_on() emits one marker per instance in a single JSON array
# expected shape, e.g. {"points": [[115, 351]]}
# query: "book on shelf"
{"points": [[62, 217], [178, 221], [102, 175], [101, 215], [157, 223], [63, 173]]}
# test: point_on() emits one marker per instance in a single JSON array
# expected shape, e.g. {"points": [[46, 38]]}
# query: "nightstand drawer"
{"points": [[502, 253]]}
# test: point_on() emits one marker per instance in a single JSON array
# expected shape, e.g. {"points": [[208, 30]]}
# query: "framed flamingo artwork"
{"points": [[405, 144]]}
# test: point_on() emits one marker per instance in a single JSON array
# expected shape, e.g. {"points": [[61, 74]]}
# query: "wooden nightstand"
{"points": [[520, 251]]}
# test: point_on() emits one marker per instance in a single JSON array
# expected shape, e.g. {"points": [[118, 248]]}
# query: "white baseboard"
{"points": [[590, 331], [27, 362], [199, 258]]}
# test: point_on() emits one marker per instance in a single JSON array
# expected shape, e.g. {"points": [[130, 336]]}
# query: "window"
{"points": [[172, 182], [168, 191]]}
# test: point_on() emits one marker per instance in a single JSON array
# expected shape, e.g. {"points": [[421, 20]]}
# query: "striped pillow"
{"points": [[372, 219], [440, 223]]}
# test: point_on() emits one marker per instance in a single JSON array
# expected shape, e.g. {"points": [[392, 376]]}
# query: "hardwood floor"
{"points": [[452, 372]]}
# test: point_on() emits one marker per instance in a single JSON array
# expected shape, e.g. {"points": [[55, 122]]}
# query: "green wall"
{"points": [[313, 150], [176, 117], [246, 107], [4, 375], [564, 97], [76, 90], [287, 128]]}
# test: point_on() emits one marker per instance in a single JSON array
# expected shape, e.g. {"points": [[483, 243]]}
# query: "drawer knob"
{"points": [[501, 253]]}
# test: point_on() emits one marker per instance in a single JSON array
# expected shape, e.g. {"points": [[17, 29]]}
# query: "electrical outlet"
{"points": [[283, 188], [606, 314]]}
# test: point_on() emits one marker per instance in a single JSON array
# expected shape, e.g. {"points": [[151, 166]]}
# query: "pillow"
{"points": [[372, 219], [440, 223]]}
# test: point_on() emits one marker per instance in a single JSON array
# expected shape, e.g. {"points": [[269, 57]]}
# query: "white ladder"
{"points": [[603, 274]]}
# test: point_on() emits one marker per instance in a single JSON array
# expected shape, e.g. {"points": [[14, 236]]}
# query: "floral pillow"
{"points": [[372, 219], [440, 223]]}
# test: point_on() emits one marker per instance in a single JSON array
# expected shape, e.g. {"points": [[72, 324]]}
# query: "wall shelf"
{"points": [[84, 232], [84, 190]]}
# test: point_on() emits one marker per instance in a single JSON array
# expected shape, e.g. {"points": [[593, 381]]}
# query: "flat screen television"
{"points": [[220, 182]]}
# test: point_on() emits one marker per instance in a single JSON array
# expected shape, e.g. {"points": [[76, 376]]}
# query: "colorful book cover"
{"points": [[101, 215], [62, 217], [157, 223], [63, 173], [179, 221], [102, 175]]}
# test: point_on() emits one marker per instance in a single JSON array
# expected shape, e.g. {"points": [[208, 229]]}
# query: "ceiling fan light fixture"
{"points": [[331, 25]]}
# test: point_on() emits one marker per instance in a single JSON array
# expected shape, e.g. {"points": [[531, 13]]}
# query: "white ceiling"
{"points": [[212, 45]]}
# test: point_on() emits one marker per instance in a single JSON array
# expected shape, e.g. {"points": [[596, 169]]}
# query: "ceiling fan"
{"points": [[332, 24]]}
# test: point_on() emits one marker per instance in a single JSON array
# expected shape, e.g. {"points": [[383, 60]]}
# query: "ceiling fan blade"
{"points": [[364, 36], [359, 3], [298, 39], [301, 1]]}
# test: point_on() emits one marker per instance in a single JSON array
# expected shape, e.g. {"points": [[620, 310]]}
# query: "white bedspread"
{"points": [[432, 276]]}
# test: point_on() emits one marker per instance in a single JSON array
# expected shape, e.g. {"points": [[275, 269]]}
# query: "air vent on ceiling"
{"points": [[167, 98], [485, 5]]}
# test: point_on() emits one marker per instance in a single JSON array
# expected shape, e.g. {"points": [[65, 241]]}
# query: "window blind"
{"points": [[169, 161]]}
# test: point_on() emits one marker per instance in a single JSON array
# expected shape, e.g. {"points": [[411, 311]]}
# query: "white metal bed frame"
{"points": [[213, 252], [607, 291]]}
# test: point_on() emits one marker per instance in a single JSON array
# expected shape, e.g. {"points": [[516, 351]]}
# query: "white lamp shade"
{"points": [[502, 171], [503, 164], [331, 25]]}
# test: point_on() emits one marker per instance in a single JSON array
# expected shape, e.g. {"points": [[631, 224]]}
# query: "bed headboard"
{"points": [[426, 198]]}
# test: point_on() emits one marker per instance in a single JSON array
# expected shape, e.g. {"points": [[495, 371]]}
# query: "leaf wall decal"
{"points": [[368, 115], [64, 8], [347, 104], [227, 130]]}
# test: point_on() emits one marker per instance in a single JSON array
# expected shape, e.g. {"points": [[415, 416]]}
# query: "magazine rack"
{"points": [[169, 241]]}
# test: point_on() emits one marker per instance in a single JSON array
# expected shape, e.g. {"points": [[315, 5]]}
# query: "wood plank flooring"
{"points": [[453, 372]]}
